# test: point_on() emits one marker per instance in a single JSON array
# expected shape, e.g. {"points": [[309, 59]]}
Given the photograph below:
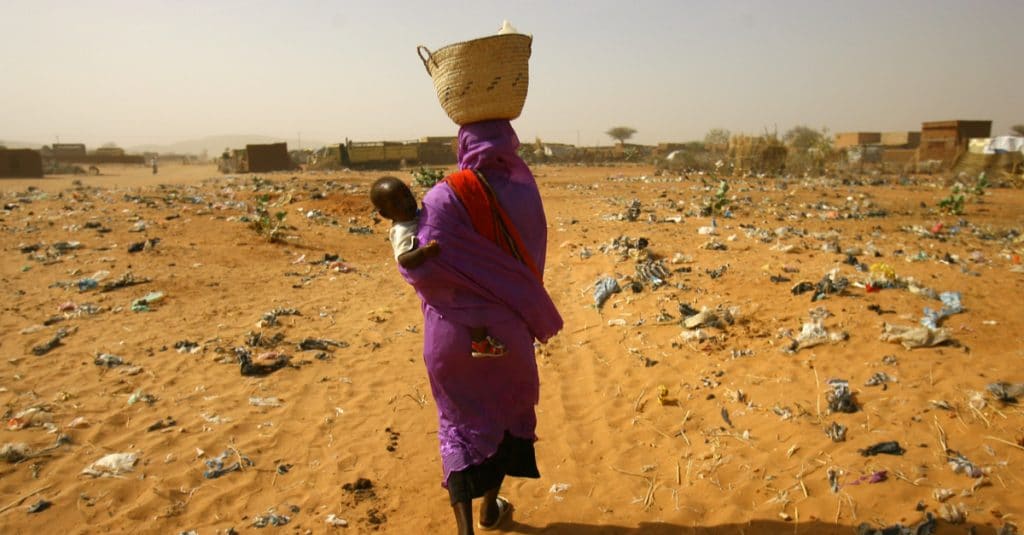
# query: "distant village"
{"points": [[937, 146]]}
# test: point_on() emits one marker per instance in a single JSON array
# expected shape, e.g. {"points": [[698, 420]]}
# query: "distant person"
{"points": [[395, 201], [154, 163]]}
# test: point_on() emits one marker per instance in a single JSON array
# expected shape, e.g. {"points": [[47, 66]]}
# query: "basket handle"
{"points": [[420, 50]]}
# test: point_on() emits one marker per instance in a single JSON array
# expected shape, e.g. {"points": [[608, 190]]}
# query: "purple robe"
{"points": [[472, 283]]}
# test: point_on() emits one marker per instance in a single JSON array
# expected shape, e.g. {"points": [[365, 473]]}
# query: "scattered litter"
{"points": [[217, 466], [954, 514], [112, 465], [925, 527], [265, 363], [13, 452], [813, 334], [322, 344], [162, 424], [836, 432], [108, 361], [264, 402], [336, 521], [963, 465], [1006, 392], [914, 337], [950, 305], [270, 518], [142, 304], [603, 289], [139, 395], [269, 319], [48, 346], [879, 379], [941, 495], [887, 448], [840, 399], [39, 506]]}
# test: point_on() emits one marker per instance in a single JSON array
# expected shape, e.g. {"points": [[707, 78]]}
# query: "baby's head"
{"points": [[393, 199]]}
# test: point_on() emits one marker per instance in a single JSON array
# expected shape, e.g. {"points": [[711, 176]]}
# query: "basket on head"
{"points": [[482, 79]]}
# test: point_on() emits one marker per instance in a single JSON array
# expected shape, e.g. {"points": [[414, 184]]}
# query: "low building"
{"points": [[20, 163], [267, 158], [854, 139], [946, 140], [69, 152], [901, 140]]}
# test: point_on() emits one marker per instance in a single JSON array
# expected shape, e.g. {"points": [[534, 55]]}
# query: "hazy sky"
{"points": [[150, 71]]}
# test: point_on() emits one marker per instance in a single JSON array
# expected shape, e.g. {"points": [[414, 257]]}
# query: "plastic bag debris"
{"points": [[891, 447], [840, 399], [336, 521], [950, 305], [1006, 392], [112, 465], [652, 272], [269, 319], [879, 379], [322, 344], [265, 363], [108, 361], [270, 518], [836, 432], [217, 467], [963, 465], [39, 506], [48, 346], [139, 395], [265, 402], [914, 337], [13, 452], [142, 304], [603, 289], [812, 334]]}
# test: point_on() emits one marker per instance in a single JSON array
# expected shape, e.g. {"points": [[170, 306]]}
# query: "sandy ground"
{"points": [[633, 427]]}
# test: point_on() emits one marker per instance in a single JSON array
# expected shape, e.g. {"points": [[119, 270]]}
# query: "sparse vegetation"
{"points": [[270, 226], [621, 133], [716, 204], [954, 204], [427, 177]]}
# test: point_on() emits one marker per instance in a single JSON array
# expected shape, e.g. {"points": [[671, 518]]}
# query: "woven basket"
{"points": [[482, 79]]}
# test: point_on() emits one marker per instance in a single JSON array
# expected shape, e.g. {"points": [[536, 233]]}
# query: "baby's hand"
{"points": [[432, 248]]}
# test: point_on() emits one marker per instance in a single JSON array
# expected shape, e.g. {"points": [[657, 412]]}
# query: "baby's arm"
{"points": [[416, 257]]}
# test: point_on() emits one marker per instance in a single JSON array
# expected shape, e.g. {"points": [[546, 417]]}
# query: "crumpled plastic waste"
{"points": [[39, 506], [830, 284], [914, 337], [142, 304], [950, 305], [813, 333], [87, 284], [840, 399], [162, 424], [836, 431], [217, 467], [265, 363], [633, 212], [321, 344], [108, 361], [1006, 392], [879, 379], [265, 402], [139, 395], [954, 514], [53, 342], [963, 465], [30, 417], [652, 272], [269, 318], [336, 521], [124, 281], [13, 452], [603, 290], [270, 518], [112, 465], [925, 527], [891, 447]]}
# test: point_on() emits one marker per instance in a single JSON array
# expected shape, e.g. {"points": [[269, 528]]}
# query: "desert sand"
{"points": [[642, 429]]}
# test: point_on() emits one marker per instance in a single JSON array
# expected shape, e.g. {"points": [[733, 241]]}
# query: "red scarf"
{"points": [[488, 217]]}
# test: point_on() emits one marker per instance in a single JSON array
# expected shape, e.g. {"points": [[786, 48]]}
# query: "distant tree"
{"points": [[803, 138], [1017, 129], [621, 133], [717, 140]]}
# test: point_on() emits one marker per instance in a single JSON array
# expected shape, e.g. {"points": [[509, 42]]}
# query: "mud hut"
{"points": [[266, 158], [20, 163]]}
